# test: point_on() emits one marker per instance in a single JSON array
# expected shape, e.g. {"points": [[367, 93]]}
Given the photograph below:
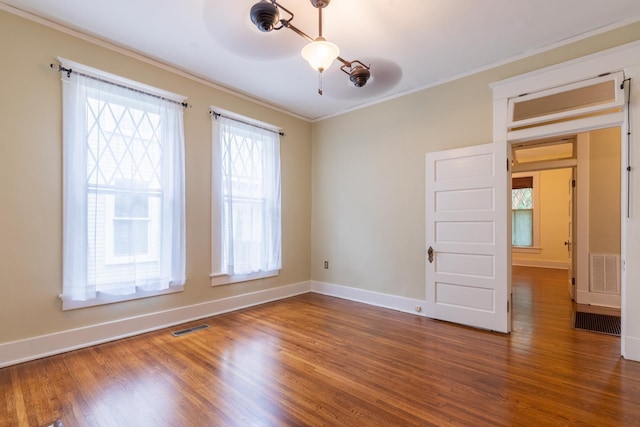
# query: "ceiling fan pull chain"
{"points": [[320, 83]]}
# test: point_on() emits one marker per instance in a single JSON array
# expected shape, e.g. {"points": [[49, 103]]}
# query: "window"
{"points": [[600, 95], [522, 204], [246, 223], [123, 190], [524, 210]]}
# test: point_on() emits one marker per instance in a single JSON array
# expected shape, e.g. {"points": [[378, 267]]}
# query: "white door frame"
{"points": [[623, 58]]}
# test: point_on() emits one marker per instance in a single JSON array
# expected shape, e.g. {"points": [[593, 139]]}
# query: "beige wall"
{"points": [[604, 191], [554, 211], [31, 183], [368, 172]]}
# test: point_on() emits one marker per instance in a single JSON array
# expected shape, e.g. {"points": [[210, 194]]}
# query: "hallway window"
{"points": [[524, 218]]}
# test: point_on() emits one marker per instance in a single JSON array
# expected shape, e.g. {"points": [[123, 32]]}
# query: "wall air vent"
{"points": [[604, 274]]}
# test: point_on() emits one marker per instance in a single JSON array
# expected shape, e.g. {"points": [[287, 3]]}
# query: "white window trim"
{"points": [[217, 277], [535, 248], [220, 279], [525, 250], [102, 299]]}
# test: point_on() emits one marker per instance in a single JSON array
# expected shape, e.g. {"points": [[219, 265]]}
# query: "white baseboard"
{"points": [[12, 353], [540, 263], [15, 352], [407, 305], [594, 298], [631, 348]]}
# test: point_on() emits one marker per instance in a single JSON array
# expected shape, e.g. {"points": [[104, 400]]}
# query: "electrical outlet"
{"points": [[326, 265]]}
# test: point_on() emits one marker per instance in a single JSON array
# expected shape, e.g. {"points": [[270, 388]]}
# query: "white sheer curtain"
{"points": [[522, 214], [123, 202], [522, 227], [250, 198]]}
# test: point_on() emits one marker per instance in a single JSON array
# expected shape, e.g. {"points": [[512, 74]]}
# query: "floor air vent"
{"points": [[602, 323], [189, 330]]}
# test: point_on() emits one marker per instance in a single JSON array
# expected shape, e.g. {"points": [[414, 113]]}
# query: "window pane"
{"points": [[243, 198], [596, 94], [130, 237], [522, 198], [124, 145], [131, 205], [124, 166], [522, 227]]}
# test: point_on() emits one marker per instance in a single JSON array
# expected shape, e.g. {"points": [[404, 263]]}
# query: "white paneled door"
{"points": [[466, 265]]}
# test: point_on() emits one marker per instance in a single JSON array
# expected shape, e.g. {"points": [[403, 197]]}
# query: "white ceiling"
{"points": [[410, 44]]}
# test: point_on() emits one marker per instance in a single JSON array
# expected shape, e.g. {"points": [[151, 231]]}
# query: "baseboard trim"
{"points": [[631, 348], [594, 298], [15, 352], [394, 302], [542, 263]]}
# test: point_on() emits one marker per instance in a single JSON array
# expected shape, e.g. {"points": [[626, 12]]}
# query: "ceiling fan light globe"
{"points": [[320, 54], [264, 15]]}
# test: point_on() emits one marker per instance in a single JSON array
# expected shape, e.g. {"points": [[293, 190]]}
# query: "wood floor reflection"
{"points": [[315, 360]]}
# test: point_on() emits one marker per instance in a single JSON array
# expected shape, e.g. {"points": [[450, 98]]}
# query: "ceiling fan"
{"points": [[319, 53]]}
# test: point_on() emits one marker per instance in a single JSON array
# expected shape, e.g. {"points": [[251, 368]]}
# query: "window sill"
{"points": [[220, 279], [525, 250], [103, 298]]}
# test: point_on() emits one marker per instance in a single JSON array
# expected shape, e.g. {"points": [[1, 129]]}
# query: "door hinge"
{"points": [[508, 305], [573, 280], [573, 182], [507, 165]]}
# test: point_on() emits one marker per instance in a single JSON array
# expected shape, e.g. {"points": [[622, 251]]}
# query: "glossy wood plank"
{"points": [[316, 360]]}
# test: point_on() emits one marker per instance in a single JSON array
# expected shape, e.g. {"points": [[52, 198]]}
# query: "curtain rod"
{"points": [[70, 71], [216, 115]]}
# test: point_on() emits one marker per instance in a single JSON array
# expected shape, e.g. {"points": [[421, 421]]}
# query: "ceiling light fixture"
{"points": [[319, 53]]}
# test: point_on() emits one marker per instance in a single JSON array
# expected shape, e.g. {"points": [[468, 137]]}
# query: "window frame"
{"points": [[535, 247], [218, 277], [618, 101]]}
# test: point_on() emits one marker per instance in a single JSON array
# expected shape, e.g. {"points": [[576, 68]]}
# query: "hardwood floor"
{"points": [[317, 360]]}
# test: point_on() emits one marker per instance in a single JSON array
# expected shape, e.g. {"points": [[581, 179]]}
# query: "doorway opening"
{"points": [[622, 65], [573, 223]]}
